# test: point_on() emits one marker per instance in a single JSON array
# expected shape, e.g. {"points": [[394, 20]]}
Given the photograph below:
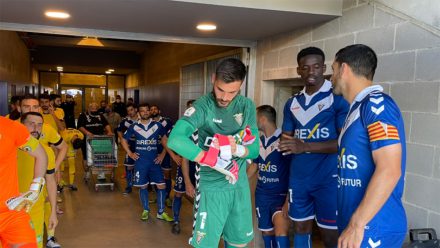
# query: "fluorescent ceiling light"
{"points": [[87, 41], [111, 70], [57, 14], [108, 72], [206, 27], [59, 68]]}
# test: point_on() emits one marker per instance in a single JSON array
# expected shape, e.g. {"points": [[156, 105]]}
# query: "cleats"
{"points": [[52, 243], [144, 216], [164, 216], [176, 228]]}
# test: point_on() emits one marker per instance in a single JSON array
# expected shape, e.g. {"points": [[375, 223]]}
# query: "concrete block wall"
{"points": [[409, 58]]}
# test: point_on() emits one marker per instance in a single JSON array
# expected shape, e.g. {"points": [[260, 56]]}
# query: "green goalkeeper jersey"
{"points": [[210, 119]]}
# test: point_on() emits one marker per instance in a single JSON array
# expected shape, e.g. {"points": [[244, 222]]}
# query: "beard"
{"points": [[154, 115], [145, 117], [36, 135], [220, 102]]}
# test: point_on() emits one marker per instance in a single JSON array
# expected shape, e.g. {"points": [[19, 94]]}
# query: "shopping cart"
{"points": [[102, 154]]}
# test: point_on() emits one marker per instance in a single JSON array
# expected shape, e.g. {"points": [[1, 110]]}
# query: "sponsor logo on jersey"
{"points": [[217, 120], [315, 133], [190, 111], [347, 161], [267, 167], [239, 118], [146, 142]]}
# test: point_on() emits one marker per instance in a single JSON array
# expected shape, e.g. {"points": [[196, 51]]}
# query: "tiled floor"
{"points": [[109, 219]]}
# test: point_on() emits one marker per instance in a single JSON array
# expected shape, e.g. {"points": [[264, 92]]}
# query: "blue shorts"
{"points": [[129, 161], [266, 207], [147, 173], [179, 186], [314, 201], [379, 240], [166, 162]]}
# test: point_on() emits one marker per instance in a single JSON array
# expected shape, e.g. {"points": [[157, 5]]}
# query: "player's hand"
{"points": [[351, 237], [232, 143], [133, 155], [159, 158], [189, 189], [27, 200], [177, 159], [290, 145], [53, 220]]}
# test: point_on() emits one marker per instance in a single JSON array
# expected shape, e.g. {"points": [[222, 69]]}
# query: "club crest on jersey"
{"points": [[320, 106], [190, 111], [239, 118], [200, 236]]}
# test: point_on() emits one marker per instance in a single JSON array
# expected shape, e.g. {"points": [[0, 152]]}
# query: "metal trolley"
{"points": [[102, 154]]}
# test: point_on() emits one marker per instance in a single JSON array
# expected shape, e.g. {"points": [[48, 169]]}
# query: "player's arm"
{"points": [[180, 142], [292, 145], [125, 145], [189, 187], [52, 195], [385, 177], [251, 170], [58, 119], [26, 200], [161, 156], [176, 158], [62, 147]]}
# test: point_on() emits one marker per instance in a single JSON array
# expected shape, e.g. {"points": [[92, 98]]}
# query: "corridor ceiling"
{"points": [[242, 20]]}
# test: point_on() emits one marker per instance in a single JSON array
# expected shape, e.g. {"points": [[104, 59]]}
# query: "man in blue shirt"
{"points": [[311, 124], [148, 134], [272, 184], [131, 118], [372, 156]]}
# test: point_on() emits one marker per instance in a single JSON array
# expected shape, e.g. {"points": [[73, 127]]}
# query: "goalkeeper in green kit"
{"points": [[226, 124]]}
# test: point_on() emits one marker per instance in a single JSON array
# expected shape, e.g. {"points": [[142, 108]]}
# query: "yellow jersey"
{"points": [[68, 136], [49, 118], [26, 162]]}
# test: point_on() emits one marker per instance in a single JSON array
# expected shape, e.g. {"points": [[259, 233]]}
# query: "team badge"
{"points": [[27, 148], [239, 118], [320, 106], [200, 236], [189, 112]]}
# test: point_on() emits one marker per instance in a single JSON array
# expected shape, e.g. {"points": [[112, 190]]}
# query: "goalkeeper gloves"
{"points": [[27, 200], [221, 159]]}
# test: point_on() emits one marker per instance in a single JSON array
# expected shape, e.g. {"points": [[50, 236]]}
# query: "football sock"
{"points": [[302, 240], [177, 204]]}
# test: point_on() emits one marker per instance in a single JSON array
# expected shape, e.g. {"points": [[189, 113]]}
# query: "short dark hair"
{"points": [[14, 99], [310, 51], [131, 99], [25, 115], [190, 102], [44, 96], [54, 96], [269, 112], [230, 70], [130, 105], [144, 105], [28, 97], [118, 96], [77, 143], [361, 59]]}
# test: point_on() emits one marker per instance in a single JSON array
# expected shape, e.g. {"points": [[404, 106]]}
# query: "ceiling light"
{"points": [[57, 14], [111, 70], [108, 72], [206, 27], [87, 41], [59, 68]]}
